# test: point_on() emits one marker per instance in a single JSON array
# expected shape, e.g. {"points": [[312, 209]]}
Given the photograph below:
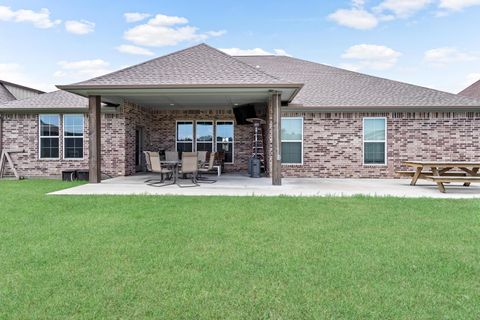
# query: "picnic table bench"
{"points": [[442, 172]]}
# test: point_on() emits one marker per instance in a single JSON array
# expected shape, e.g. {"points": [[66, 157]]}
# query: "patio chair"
{"points": [[156, 167], [202, 157], [189, 166], [171, 155], [207, 169], [147, 161]]}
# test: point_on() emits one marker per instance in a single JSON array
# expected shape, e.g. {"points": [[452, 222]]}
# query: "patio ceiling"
{"points": [[192, 97]]}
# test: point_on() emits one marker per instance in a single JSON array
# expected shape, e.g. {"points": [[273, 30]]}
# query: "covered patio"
{"points": [[151, 96], [242, 185]]}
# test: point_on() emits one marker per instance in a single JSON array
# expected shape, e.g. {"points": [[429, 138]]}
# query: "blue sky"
{"points": [[433, 43]]}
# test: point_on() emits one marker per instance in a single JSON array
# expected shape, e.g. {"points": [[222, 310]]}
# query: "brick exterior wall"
{"points": [[333, 142], [21, 131]]}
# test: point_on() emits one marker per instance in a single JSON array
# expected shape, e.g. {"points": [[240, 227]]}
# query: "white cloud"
{"points": [[402, 8], [253, 52], [446, 55], [79, 27], [40, 19], [164, 30], [82, 68], [15, 73], [136, 16], [368, 56], [457, 5], [216, 33], [357, 18], [130, 49]]}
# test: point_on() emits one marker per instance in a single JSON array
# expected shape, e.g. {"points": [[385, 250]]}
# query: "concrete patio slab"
{"points": [[238, 185]]}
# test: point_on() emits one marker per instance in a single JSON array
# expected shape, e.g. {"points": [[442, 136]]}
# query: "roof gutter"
{"points": [[98, 88], [177, 86], [297, 108]]}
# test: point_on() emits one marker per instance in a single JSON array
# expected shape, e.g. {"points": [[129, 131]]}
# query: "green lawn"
{"points": [[135, 257]]}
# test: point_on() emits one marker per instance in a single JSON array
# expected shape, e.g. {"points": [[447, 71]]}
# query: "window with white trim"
{"points": [[49, 136], [73, 136], [225, 139], [184, 136], [374, 141], [292, 140], [204, 135]]}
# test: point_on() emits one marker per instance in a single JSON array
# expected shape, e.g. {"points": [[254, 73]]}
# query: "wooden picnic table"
{"points": [[441, 172]]}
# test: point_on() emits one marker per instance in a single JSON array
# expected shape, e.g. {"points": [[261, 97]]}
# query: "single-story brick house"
{"points": [[321, 121]]}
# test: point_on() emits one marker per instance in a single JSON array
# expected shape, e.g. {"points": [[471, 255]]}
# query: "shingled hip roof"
{"points": [[327, 87], [311, 85], [61, 100], [197, 66]]}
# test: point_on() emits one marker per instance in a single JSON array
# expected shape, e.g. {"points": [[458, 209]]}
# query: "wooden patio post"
{"points": [[275, 104], [94, 142]]}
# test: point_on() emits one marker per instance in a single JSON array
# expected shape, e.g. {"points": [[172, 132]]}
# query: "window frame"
{"points": [[193, 134], [70, 137], [375, 141], [301, 141], [233, 138], [40, 135]]}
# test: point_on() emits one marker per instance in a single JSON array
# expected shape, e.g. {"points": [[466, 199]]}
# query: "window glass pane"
{"points": [[374, 152], [224, 131], [374, 129], [73, 148], [204, 131], [184, 147], [49, 147], [204, 146], [291, 152], [227, 149], [73, 125], [291, 129], [184, 131], [49, 125]]}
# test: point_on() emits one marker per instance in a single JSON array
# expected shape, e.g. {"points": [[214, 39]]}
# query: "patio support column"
{"points": [[94, 142], [275, 105]]}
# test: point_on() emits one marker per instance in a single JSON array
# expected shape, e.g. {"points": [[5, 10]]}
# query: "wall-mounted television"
{"points": [[242, 113]]}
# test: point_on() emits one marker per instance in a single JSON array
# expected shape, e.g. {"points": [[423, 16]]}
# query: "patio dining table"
{"points": [[173, 164], [444, 171]]}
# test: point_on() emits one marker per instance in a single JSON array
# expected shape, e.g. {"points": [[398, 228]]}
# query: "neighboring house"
{"points": [[11, 91], [472, 91], [321, 121]]}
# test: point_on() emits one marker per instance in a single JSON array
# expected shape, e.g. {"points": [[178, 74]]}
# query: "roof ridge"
{"points": [[142, 63], [204, 45]]}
